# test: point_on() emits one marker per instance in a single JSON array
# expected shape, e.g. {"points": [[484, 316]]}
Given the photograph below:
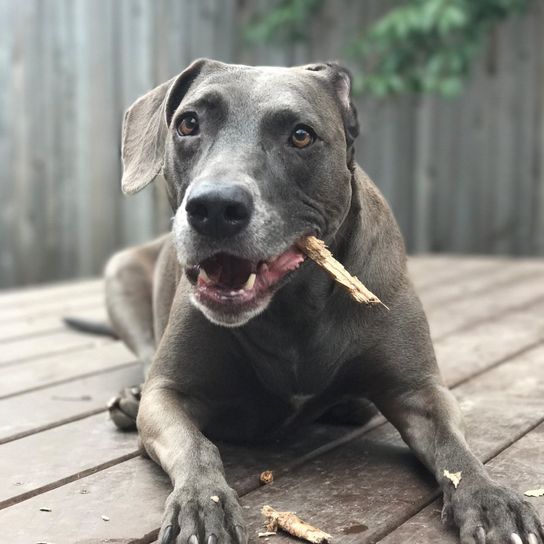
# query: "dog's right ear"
{"points": [[145, 127]]}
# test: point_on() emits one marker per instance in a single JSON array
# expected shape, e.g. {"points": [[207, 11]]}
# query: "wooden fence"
{"points": [[463, 175]]}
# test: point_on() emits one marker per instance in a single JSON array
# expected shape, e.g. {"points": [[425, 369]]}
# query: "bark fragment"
{"points": [[290, 523]]}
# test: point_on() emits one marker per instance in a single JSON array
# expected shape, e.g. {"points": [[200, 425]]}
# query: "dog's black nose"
{"points": [[219, 211]]}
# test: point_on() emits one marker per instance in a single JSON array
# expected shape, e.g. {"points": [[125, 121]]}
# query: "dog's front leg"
{"points": [[430, 422], [202, 508]]}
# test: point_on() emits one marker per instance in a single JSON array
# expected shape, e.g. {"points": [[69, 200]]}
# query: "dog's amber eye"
{"points": [[302, 137], [188, 125]]}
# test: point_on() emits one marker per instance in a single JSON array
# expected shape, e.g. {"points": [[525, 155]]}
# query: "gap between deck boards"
{"points": [[68, 479], [38, 411], [66, 380]]}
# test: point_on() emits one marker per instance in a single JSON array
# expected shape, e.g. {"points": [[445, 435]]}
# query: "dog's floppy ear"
{"points": [[145, 126], [340, 78], [342, 84]]}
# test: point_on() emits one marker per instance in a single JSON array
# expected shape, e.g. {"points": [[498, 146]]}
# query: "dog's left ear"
{"points": [[340, 78]]}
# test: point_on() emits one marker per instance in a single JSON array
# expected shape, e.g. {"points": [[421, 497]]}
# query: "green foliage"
{"points": [[427, 45], [287, 20], [420, 46]]}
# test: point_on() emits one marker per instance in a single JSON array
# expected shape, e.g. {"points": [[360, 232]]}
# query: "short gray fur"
{"points": [[309, 348]]}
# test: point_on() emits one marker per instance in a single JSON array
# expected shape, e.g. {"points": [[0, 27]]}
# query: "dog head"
{"points": [[254, 158]]}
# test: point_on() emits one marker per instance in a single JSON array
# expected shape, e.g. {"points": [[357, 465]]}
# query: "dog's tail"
{"points": [[90, 327]]}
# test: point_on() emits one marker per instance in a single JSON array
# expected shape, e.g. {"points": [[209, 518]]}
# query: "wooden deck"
{"points": [[66, 476]]}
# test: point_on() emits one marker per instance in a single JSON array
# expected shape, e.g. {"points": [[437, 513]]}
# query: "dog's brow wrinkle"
{"points": [[287, 115], [210, 99]]}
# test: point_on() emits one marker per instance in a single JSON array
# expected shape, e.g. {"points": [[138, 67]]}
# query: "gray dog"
{"points": [[238, 333]]}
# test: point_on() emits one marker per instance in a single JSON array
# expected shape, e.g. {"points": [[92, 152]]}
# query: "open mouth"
{"points": [[227, 283]]}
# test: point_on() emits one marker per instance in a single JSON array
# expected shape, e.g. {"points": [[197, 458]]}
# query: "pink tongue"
{"points": [[287, 261]]}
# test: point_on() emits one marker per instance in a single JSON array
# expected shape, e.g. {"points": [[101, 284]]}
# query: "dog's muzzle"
{"points": [[231, 286]]}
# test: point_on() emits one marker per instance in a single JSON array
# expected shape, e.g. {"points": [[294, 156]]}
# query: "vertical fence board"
{"points": [[64, 165], [7, 182], [28, 184], [525, 129], [133, 20], [537, 194]]}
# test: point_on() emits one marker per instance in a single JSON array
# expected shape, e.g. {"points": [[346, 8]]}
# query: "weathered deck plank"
{"points": [[55, 369], [485, 315], [468, 312], [30, 327], [58, 306], [30, 296], [33, 412], [74, 448], [375, 475], [63, 341], [504, 274], [449, 268], [461, 355]]}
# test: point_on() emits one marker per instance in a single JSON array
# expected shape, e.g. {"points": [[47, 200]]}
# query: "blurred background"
{"points": [[450, 96]]}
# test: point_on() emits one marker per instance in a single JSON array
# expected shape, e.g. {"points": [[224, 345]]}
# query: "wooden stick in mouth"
{"points": [[316, 250], [292, 524]]}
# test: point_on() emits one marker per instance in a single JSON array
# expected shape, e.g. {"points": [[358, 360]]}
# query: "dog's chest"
{"points": [[293, 363]]}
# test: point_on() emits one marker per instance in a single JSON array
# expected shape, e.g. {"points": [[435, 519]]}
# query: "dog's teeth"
{"points": [[203, 276], [250, 281]]}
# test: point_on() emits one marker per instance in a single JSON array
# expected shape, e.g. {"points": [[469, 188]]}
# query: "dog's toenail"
{"points": [[212, 539], [193, 539], [532, 538], [113, 403], [167, 535], [480, 535], [240, 535], [515, 539]]}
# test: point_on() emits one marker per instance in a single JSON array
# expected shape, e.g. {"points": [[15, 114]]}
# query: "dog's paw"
{"points": [[492, 514], [203, 514], [123, 408]]}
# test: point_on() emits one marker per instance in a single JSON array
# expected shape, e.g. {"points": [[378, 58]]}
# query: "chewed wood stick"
{"points": [[292, 524], [319, 253]]}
